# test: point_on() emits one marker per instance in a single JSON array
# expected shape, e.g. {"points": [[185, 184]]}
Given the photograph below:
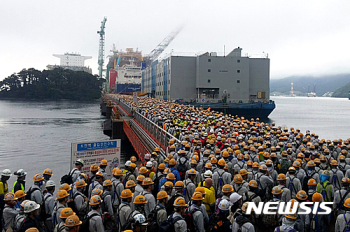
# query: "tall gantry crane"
{"points": [[164, 44], [101, 50]]}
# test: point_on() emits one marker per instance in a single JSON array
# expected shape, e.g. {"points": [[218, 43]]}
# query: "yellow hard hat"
{"points": [[238, 179], [208, 166], [140, 199], [281, 176], [10, 197], [65, 187], [130, 184], [253, 183], [192, 172], [227, 188], [179, 184], [99, 174], [347, 203], [80, 183], [201, 190], [147, 181], [94, 167], [20, 194], [170, 176], [104, 162], [162, 195], [66, 212], [38, 177], [168, 184], [140, 178], [61, 194], [95, 200], [243, 172], [197, 196], [117, 172], [72, 221], [277, 190], [143, 170], [96, 191], [107, 183], [172, 162], [301, 195], [161, 166], [317, 197], [126, 193], [180, 202], [48, 171], [221, 162]]}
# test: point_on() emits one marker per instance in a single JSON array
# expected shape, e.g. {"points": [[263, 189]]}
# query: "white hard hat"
{"points": [[208, 174], [147, 156], [50, 183], [79, 162], [20, 173], [235, 197], [31, 206], [224, 205], [149, 164], [140, 220], [6, 172], [127, 163]]}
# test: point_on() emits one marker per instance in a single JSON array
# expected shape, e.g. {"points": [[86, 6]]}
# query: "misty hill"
{"points": [[324, 84], [342, 91]]}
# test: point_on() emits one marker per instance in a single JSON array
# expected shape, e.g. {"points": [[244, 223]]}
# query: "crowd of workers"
{"points": [[204, 181]]}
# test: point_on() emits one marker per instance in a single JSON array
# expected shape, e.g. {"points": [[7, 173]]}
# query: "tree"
{"points": [[51, 84]]}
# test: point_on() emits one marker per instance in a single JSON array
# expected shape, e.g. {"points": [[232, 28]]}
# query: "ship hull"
{"points": [[127, 88], [251, 110]]}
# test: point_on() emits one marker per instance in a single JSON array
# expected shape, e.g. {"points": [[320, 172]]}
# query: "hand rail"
{"points": [[140, 149], [160, 136]]}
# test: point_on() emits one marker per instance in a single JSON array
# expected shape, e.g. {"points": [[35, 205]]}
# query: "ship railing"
{"points": [[229, 100], [162, 137], [127, 107]]}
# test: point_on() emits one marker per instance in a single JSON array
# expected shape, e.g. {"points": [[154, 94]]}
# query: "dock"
{"points": [[125, 123]]}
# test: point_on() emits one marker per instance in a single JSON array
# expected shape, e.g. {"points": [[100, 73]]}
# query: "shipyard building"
{"points": [[72, 61], [209, 78]]}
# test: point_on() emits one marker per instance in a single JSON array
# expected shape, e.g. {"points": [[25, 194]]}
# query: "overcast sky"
{"points": [[300, 37]]}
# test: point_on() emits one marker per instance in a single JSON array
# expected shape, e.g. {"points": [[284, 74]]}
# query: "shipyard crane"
{"points": [[164, 44], [101, 50]]}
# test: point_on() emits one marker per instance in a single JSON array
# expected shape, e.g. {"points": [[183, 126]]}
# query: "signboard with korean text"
{"points": [[93, 152]]}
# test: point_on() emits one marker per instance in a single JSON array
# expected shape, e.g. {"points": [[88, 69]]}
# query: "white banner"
{"points": [[93, 152]]}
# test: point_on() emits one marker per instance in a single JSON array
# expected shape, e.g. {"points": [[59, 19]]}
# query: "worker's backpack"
{"points": [[86, 222], [284, 166], [214, 223], [260, 191], [68, 178], [188, 216], [306, 179], [156, 183], [29, 193], [168, 225], [152, 219], [182, 166], [347, 225], [71, 204], [270, 220]]}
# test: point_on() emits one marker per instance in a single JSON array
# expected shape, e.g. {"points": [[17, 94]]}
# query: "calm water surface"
{"points": [[327, 117], [38, 135]]}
